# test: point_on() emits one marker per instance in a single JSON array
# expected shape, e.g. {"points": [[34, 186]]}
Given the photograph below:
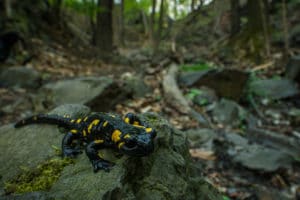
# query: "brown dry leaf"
{"points": [[202, 154]]}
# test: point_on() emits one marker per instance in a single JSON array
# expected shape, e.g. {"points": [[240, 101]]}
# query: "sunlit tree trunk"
{"points": [[104, 31], [192, 5], [175, 9], [152, 23], [160, 25]]}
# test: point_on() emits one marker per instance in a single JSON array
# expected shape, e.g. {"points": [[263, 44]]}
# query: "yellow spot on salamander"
{"points": [[121, 144], [99, 141], [105, 123], [136, 123], [73, 120], [84, 133], [86, 118], [115, 137], [138, 126], [74, 131], [78, 120], [126, 120], [148, 130], [126, 136], [93, 123]]}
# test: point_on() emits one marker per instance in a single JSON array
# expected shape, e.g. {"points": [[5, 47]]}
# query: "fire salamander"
{"points": [[129, 135]]}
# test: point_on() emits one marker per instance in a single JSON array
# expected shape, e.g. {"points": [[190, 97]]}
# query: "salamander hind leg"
{"points": [[97, 162]]}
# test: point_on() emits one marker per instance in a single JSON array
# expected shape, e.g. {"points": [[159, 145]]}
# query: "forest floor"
{"points": [[55, 62]]}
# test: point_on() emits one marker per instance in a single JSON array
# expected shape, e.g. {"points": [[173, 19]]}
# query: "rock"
{"points": [[273, 88], [201, 138], [31, 145], [205, 97], [229, 113], [227, 83], [99, 93], [168, 173], [255, 156], [292, 69], [190, 78], [135, 85], [20, 77]]}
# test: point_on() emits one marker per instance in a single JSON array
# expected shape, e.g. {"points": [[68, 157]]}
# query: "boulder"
{"points": [[227, 83], [229, 113], [168, 173], [273, 88], [256, 156], [99, 93], [23, 77]]}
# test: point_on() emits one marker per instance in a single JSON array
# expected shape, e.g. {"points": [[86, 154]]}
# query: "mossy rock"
{"points": [[168, 173]]}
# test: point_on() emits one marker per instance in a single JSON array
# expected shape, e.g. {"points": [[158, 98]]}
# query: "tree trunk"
{"points": [[285, 28], [104, 31], [8, 10], [235, 17], [160, 25], [192, 5], [175, 9], [152, 23]]}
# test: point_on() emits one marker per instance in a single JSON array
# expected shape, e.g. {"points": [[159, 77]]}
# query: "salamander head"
{"points": [[138, 143]]}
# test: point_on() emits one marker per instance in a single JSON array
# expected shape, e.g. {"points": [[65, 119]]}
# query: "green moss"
{"points": [[40, 178], [196, 67]]}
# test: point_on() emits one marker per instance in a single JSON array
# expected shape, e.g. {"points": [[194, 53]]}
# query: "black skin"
{"points": [[129, 135], [7, 41]]}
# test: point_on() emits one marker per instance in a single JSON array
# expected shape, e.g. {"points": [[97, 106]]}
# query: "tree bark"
{"points": [[285, 28], [235, 17], [104, 30], [160, 25], [152, 23], [192, 5]]}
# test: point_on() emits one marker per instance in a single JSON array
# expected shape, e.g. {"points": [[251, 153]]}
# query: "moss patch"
{"points": [[40, 178]]}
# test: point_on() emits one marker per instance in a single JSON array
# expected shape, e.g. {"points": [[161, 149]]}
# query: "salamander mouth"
{"points": [[137, 150]]}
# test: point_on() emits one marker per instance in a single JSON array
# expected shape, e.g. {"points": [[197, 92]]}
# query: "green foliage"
{"points": [[196, 67], [226, 198], [193, 92], [40, 178], [86, 7], [132, 9]]}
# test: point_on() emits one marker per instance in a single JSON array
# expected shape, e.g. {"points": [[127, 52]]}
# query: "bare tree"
{"points": [[104, 30], [152, 23], [235, 17]]}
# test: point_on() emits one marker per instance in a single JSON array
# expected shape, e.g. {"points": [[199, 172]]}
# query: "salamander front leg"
{"points": [[67, 149], [97, 162], [131, 118]]}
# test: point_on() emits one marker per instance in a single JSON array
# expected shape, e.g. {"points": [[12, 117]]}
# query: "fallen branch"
{"points": [[175, 98]]}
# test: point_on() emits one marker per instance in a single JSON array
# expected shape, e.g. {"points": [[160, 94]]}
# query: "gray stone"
{"points": [[135, 85], [229, 113], [273, 88], [99, 93], [201, 138], [255, 156], [20, 77], [168, 173]]}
